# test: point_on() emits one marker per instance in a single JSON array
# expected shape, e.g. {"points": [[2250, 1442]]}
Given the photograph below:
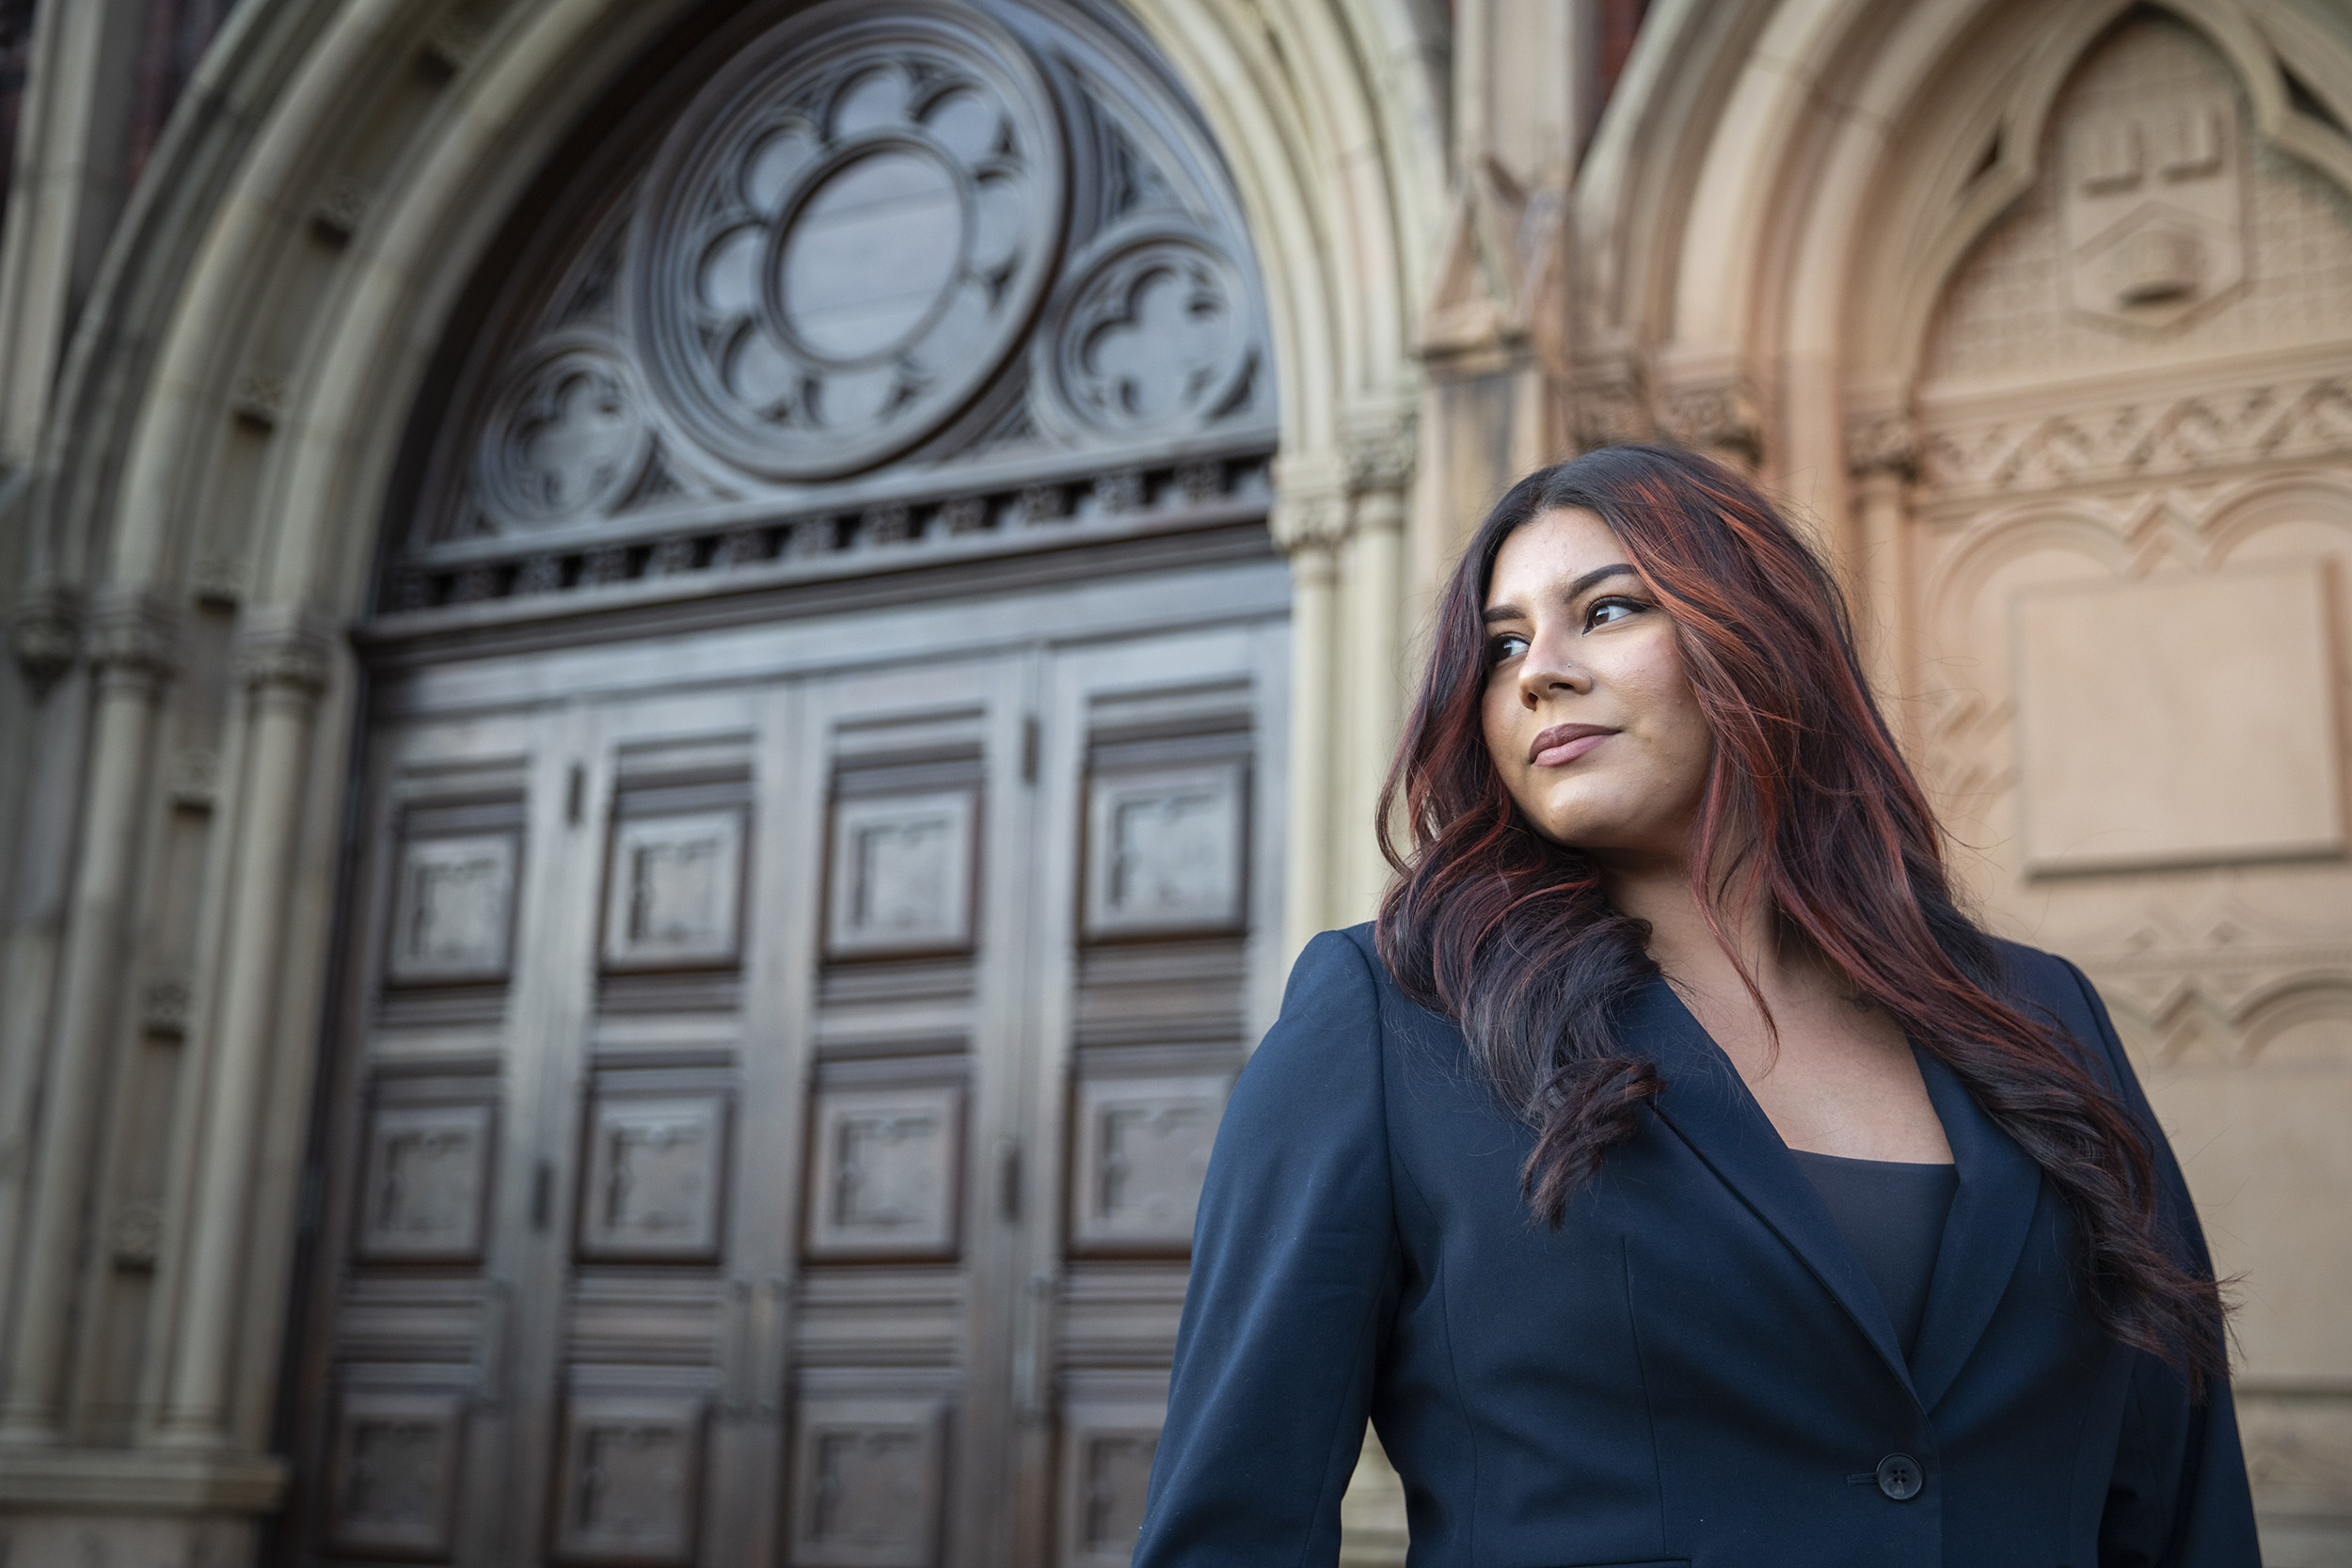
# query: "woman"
{"points": [[1673, 1173]]}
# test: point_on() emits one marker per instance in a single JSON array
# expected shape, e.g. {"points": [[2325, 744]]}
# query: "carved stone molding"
{"points": [[46, 635], [2207, 429], [163, 1006], [259, 398], [902, 530], [340, 210], [1721, 416], [195, 777], [136, 1238], [1882, 443], [134, 637], [284, 650]]}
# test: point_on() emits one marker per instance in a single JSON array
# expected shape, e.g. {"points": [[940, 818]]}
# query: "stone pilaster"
{"points": [[284, 660], [133, 645]]}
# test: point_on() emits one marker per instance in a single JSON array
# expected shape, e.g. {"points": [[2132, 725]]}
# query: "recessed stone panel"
{"points": [[1165, 851], [425, 1183], [2180, 721], [395, 1470], [630, 1480], [453, 913], [673, 896], [1142, 1154], [866, 1483], [901, 875], [656, 1177], [886, 1182]]}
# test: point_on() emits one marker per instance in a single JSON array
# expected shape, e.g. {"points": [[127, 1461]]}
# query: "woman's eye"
{"points": [[1605, 611], [1509, 645]]}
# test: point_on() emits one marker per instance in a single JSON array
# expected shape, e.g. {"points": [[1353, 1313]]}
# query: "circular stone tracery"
{"points": [[845, 236]]}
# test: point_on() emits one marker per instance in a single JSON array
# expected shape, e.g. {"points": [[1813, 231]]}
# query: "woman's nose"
{"points": [[1549, 667]]}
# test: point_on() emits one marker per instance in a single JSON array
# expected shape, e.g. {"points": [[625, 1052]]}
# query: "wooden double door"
{"points": [[776, 1075]]}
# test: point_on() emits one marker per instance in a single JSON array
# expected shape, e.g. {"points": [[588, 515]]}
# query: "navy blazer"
{"points": [[1693, 1370]]}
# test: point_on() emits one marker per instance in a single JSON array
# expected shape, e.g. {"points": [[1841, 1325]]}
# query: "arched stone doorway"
{"points": [[209, 572], [818, 863], [2042, 312]]}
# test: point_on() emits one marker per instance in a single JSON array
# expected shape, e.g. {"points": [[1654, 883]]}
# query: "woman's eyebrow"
{"points": [[1576, 590]]}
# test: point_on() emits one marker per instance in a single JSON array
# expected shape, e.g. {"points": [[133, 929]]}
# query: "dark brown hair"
{"points": [[1811, 804]]}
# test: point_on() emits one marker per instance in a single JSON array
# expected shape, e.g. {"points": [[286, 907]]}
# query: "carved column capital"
{"points": [[1882, 443], [1309, 520], [1383, 456], [46, 634], [1612, 404], [134, 637], [285, 650], [1717, 416]]}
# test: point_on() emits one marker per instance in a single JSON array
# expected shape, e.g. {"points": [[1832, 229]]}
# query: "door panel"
{"points": [[775, 1106]]}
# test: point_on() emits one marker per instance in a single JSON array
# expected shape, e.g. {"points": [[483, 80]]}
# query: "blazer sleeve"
{"points": [[1295, 1272], [2179, 1497]]}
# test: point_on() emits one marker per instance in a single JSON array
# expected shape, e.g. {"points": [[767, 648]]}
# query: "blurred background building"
{"points": [[682, 671]]}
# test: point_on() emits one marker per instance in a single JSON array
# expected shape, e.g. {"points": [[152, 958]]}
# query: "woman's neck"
{"points": [[1680, 939]]}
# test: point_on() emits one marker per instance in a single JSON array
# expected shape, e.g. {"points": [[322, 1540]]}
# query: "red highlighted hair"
{"points": [[1810, 805]]}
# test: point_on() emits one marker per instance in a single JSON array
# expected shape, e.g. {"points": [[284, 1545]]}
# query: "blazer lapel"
{"points": [[1985, 1235], [1707, 1103]]}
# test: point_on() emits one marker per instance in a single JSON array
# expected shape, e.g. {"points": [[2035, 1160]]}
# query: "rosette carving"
{"points": [[845, 236]]}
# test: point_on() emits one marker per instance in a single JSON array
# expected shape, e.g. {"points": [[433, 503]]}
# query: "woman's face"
{"points": [[1587, 713]]}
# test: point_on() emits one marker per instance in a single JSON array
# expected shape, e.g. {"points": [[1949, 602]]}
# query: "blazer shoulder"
{"points": [[2057, 987]]}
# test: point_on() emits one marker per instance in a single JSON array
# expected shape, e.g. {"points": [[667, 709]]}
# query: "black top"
{"points": [[1892, 1215]]}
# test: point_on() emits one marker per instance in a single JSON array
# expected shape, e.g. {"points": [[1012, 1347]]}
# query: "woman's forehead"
{"points": [[1545, 554]]}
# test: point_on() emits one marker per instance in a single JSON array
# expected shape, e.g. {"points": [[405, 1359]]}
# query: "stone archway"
{"points": [[228, 425]]}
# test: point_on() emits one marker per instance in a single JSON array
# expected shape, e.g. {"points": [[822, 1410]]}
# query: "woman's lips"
{"points": [[1564, 743]]}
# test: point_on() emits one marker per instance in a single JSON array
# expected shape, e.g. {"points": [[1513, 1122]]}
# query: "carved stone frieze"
{"points": [[1124, 499], [2207, 429]]}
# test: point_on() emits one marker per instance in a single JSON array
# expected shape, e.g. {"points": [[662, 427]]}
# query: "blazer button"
{"points": [[1899, 1477]]}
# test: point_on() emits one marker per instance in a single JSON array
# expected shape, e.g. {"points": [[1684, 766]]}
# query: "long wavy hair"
{"points": [[1808, 806]]}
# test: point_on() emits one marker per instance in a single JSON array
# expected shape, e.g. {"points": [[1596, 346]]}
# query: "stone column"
{"points": [[134, 651], [1309, 524], [284, 659], [1882, 457], [1380, 476]]}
